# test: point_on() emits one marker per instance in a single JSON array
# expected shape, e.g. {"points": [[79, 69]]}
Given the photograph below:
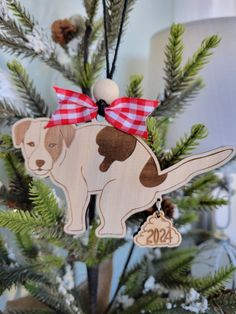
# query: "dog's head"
{"points": [[41, 147]]}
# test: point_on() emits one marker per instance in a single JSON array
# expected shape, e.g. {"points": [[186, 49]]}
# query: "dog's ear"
{"points": [[18, 131], [68, 133]]}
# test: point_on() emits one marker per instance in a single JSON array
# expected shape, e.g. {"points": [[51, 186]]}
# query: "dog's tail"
{"points": [[182, 172]]}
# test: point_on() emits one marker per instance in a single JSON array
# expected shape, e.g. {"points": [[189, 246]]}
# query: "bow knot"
{"points": [[101, 107], [126, 114]]}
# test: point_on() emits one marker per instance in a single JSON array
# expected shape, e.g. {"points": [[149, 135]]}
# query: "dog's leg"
{"points": [[77, 200], [125, 204], [111, 225]]}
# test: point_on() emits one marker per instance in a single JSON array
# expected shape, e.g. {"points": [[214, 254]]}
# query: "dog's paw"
{"points": [[103, 232], [74, 229]]}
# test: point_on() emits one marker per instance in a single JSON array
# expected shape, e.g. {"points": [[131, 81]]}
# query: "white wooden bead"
{"points": [[106, 89]]}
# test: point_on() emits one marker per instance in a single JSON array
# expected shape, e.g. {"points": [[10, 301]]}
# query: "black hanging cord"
{"points": [[111, 72], [106, 37], [118, 40]]}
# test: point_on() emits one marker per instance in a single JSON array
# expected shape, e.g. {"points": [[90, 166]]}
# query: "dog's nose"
{"points": [[40, 162]]}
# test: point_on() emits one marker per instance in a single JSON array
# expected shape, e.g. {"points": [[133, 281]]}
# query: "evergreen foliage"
{"points": [[26, 88], [20, 12], [134, 88], [30, 208], [184, 146], [182, 81], [9, 113]]}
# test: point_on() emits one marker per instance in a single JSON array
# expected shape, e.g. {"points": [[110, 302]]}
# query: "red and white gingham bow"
{"points": [[126, 114]]}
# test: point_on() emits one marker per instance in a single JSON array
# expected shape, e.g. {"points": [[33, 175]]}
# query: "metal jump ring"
{"points": [[158, 206]]}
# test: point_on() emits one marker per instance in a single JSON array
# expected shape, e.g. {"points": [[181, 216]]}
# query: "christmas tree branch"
{"points": [[157, 129], [43, 199], [207, 181], [200, 202], [19, 180], [50, 298], [12, 28], [10, 276], [135, 89], [181, 83], [9, 113], [173, 60], [27, 89], [20, 12], [184, 146], [170, 106]]}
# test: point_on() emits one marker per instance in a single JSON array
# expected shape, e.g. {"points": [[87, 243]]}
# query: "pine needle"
{"points": [[184, 146], [20, 221], [27, 90], [49, 297], [44, 203], [9, 113], [24, 17], [173, 60], [134, 89]]}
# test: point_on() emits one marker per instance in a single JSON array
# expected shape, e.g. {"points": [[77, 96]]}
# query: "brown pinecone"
{"points": [[63, 31], [168, 207]]}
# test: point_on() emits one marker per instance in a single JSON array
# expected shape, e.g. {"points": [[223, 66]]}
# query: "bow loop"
{"points": [[126, 114]]}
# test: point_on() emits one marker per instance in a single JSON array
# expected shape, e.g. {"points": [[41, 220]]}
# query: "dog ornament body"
{"points": [[95, 158]]}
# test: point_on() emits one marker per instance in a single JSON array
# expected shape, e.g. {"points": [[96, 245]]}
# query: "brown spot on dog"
{"points": [[149, 176], [54, 139], [114, 145]]}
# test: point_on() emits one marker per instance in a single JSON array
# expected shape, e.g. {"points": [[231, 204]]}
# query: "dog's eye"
{"points": [[31, 144], [51, 145]]}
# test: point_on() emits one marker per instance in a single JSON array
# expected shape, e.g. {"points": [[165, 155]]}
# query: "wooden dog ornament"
{"points": [[96, 158]]}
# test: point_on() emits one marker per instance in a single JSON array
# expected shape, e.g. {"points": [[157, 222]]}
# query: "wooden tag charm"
{"points": [[158, 231]]}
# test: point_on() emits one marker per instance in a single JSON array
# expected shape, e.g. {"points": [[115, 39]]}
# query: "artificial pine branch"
{"points": [[16, 46], [173, 60], [12, 29], [27, 90], [19, 180], [182, 83], [44, 203], [4, 259], [199, 59], [26, 245], [135, 89], [20, 221], [207, 181], [157, 130], [184, 146], [200, 202], [91, 7], [224, 302], [10, 276], [9, 113], [20, 12], [208, 286], [176, 103], [187, 217], [49, 297]]}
